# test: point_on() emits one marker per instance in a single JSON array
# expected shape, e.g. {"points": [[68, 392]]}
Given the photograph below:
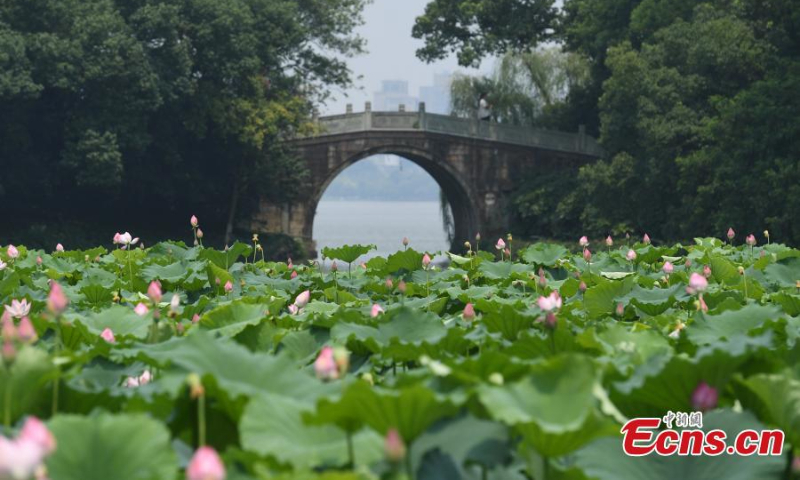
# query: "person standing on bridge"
{"points": [[484, 108]]}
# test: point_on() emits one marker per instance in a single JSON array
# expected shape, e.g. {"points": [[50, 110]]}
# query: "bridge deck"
{"points": [[421, 121]]}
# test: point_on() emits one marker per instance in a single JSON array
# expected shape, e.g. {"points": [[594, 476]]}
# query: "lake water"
{"points": [[381, 223]]}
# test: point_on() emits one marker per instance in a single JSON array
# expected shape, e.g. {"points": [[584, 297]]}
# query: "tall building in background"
{"points": [[393, 93], [437, 96]]}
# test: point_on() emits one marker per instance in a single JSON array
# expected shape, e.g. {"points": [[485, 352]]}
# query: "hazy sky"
{"points": [[390, 56]]}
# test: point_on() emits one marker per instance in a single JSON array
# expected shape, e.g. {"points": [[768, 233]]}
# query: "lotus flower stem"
{"points": [[409, 468], [351, 455], [201, 419], [7, 402]]}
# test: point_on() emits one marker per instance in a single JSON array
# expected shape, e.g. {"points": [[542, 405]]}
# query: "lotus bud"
{"points": [[741, 270], [389, 283], [26, 332], [175, 302], [646, 239], [631, 255], [342, 358], [376, 310], [751, 240], [508, 252], [39, 260], [697, 283], [394, 446], [668, 268], [12, 252], [289, 263], [325, 365], [59, 248], [9, 330], [195, 318], [731, 234], [582, 287], [469, 313], [706, 271], [57, 301], [205, 465], [401, 286], [228, 287], [478, 237], [9, 353], [194, 222], [704, 397], [501, 244], [620, 309], [766, 234], [609, 241], [293, 275], [108, 336], [467, 246], [587, 255], [509, 238], [701, 304], [405, 241], [154, 292], [496, 378], [199, 233], [141, 309], [35, 432], [583, 241], [302, 300], [334, 267], [426, 260]]}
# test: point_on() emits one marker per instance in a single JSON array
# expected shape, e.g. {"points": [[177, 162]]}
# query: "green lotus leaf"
{"points": [[347, 253]]}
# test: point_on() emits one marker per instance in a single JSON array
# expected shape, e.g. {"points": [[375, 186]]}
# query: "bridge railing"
{"points": [[461, 127]]}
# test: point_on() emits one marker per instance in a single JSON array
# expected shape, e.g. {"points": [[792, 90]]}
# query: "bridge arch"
{"points": [[453, 185]]}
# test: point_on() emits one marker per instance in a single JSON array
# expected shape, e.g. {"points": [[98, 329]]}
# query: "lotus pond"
{"points": [[180, 361]]}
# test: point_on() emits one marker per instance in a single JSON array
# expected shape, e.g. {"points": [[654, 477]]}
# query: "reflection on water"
{"points": [[381, 223]]}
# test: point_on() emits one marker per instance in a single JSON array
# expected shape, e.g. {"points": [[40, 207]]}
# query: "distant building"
{"points": [[393, 94], [437, 96]]}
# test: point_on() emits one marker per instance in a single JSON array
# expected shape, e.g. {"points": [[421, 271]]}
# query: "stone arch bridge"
{"points": [[478, 165]]}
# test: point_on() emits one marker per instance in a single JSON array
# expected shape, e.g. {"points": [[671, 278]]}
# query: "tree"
{"points": [[139, 108]]}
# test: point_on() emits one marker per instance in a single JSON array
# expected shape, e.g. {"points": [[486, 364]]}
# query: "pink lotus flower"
{"points": [[302, 300], [154, 291], [143, 379], [194, 222], [501, 244], [609, 241], [706, 271], [668, 268], [125, 239], [59, 248], [426, 260], [36, 432], [56, 300], [228, 286], [376, 310], [631, 255], [704, 397], [205, 465], [587, 255], [26, 332], [697, 283], [731, 234], [550, 302], [18, 309], [108, 336], [646, 239], [325, 365], [141, 309], [394, 446], [469, 313], [751, 240], [12, 252], [583, 241], [293, 310]]}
